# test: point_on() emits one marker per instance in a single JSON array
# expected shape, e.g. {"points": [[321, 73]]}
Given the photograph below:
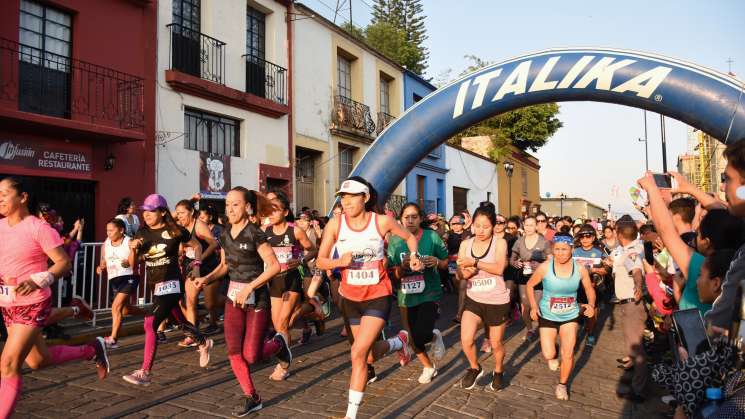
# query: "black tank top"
{"points": [[243, 259], [212, 260]]}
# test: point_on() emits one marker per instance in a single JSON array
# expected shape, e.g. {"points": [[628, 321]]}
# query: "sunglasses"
{"points": [[541, 220], [500, 222], [586, 235]]}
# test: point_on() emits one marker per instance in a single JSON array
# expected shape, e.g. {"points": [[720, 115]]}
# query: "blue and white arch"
{"points": [[703, 98]]}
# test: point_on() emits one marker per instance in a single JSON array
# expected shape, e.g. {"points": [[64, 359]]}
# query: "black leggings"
{"points": [[421, 321], [163, 305]]}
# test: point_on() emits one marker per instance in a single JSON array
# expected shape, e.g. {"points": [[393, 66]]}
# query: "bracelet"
{"points": [[195, 263]]}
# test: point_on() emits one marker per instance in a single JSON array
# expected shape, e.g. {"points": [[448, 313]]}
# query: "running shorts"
{"points": [[491, 314], [354, 310]]}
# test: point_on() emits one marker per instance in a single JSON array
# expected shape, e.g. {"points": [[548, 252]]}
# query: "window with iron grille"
{"points": [[211, 133], [187, 13], [255, 33], [346, 162], [344, 77], [385, 99], [45, 38]]}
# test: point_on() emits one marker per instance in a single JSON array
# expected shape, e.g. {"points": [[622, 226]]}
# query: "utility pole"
{"points": [[351, 26], [664, 144]]}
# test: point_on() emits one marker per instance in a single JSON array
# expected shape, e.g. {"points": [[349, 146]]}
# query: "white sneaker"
{"points": [[438, 346], [561, 392], [204, 353], [553, 364], [427, 375]]}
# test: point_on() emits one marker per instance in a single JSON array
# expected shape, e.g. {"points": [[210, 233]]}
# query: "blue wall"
{"points": [[432, 167]]}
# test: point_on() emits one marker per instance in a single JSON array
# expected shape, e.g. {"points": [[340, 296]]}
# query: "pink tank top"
{"points": [[485, 287]]}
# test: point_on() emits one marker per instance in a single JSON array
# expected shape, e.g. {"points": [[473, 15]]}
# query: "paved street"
{"points": [[317, 386]]}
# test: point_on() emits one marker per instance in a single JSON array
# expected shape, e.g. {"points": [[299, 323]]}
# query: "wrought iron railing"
{"points": [[351, 115], [50, 84], [266, 79], [195, 53], [383, 120]]}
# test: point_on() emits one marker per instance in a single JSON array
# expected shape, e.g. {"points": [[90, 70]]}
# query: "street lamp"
{"points": [[562, 197], [508, 168], [646, 149]]}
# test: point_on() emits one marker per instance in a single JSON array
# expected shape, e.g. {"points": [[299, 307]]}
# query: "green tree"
{"points": [[527, 128], [407, 16]]}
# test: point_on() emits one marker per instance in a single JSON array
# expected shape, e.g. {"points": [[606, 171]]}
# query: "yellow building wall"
{"points": [[519, 196]]}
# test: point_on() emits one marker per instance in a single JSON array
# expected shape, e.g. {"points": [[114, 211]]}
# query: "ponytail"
{"points": [[488, 210], [260, 206]]}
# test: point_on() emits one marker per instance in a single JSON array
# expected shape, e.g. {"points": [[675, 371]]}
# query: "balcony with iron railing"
{"points": [[266, 79], [353, 118], [197, 54], [36, 85], [383, 120]]}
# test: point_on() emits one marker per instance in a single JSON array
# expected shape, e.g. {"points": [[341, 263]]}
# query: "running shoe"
{"points": [[305, 337], [188, 342], [531, 335], [161, 337], [111, 343], [102, 358], [211, 330], [496, 382], [284, 355], [279, 374], [371, 377], [84, 310], [486, 346], [427, 375], [250, 405], [404, 354], [317, 310], [438, 346], [472, 375], [591, 341], [204, 352], [553, 364], [138, 378], [561, 392]]}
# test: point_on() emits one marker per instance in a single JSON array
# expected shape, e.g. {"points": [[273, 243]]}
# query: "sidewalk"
{"points": [[318, 384]]}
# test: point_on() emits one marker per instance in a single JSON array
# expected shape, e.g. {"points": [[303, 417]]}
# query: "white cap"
{"points": [[353, 187]]}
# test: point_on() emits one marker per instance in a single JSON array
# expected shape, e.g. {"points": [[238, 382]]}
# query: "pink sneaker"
{"points": [[486, 346], [404, 354]]}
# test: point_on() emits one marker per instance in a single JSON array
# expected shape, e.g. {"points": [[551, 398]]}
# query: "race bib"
{"points": [[363, 276], [190, 253], [527, 269], [562, 305], [235, 288], [483, 284], [168, 287], [413, 284], [283, 254], [7, 294], [587, 262], [452, 268]]}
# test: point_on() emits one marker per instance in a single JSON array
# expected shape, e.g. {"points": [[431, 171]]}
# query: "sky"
{"points": [[596, 155]]}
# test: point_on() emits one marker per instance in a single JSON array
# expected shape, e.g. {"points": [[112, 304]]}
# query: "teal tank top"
{"points": [[559, 301]]}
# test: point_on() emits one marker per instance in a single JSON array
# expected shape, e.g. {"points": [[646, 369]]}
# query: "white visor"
{"points": [[353, 187]]}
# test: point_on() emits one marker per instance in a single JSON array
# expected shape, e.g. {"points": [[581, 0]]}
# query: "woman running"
{"points": [[117, 261], [530, 250], [481, 262], [558, 313], [358, 236], [587, 252], [249, 262], [456, 235], [420, 291], [208, 215], [25, 277], [186, 216], [289, 243], [160, 242]]}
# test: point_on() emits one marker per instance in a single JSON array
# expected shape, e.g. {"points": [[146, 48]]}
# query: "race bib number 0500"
{"points": [[7, 294], [168, 287], [235, 288], [412, 284], [359, 277], [483, 284]]}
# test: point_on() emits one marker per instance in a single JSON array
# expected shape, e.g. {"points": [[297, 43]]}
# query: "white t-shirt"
{"points": [[625, 260], [115, 255]]}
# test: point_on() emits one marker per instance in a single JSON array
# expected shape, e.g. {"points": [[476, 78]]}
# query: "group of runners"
{"points": [[271, 274]]}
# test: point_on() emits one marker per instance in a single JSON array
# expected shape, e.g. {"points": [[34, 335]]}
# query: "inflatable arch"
{"points": [[703, 98]]}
